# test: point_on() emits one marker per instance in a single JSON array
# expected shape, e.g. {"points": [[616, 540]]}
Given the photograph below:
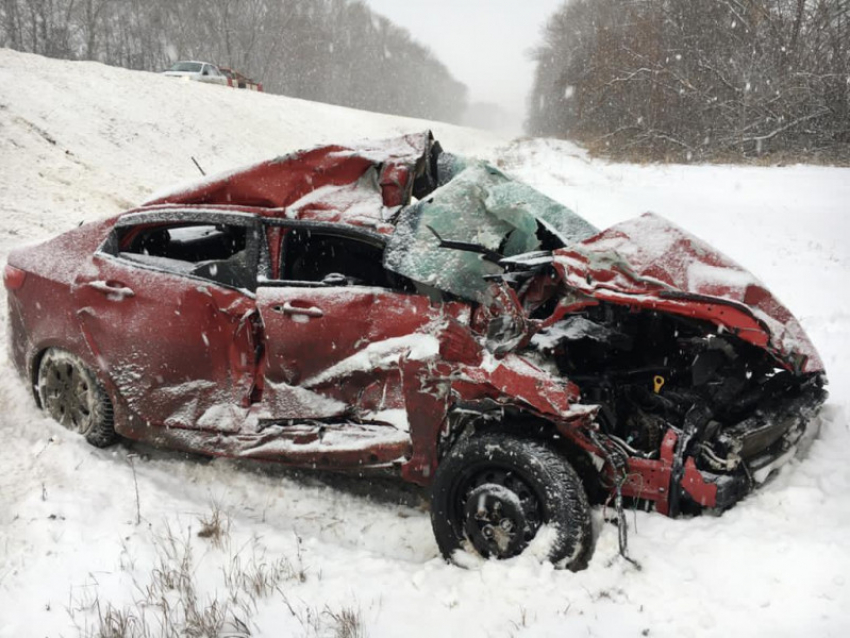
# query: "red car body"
{"points": [[613, 345]]}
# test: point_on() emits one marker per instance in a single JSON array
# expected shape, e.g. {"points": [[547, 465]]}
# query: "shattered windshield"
{"points": [[476, 204]]}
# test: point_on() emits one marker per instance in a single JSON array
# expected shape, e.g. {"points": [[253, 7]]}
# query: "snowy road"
{"points": [[80, 141]]}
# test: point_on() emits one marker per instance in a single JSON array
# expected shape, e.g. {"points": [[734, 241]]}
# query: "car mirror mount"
{"points": [[335, 279]]}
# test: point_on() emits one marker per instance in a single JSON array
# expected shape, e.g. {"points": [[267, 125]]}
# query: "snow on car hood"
{"points": [[649, 255]]}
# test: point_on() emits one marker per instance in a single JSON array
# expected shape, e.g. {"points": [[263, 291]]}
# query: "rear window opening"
{"points": [[192, 243], [216, 252]]}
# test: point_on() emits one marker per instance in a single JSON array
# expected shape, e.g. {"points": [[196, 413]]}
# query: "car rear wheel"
{"points": [[71, 394], [494, 493]]}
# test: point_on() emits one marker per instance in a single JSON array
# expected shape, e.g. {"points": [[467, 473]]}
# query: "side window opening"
{"points": [[311, 256], [217, 252], [190, 242]]}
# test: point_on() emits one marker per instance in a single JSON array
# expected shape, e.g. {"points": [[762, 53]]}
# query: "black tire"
{"points": [[522, 481], [71, 394]]}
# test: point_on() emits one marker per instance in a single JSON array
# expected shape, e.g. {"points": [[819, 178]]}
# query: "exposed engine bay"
{"points": [[733, 407], [650, 371]]}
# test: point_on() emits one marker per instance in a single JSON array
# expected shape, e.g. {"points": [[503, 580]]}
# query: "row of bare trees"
{"points": [[334, 51], [702, 79]]}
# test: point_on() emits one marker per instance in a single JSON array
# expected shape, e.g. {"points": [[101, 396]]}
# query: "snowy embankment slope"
{"points": [[80, 140]]}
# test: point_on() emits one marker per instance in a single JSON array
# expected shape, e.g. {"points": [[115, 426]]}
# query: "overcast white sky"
{"points": [[484, 43]]}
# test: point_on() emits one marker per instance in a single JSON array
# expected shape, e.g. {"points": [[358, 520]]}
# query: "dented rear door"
{"points": [[179, 348]]}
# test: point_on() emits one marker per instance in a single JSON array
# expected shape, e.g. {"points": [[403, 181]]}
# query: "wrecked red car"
{"points": [[389, 306]]}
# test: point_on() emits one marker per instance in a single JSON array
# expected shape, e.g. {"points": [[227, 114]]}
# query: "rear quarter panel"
{"points": [[42, 313]]}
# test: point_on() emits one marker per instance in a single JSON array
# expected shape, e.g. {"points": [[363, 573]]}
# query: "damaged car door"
{"points": [[338, 329], [166, 307]]}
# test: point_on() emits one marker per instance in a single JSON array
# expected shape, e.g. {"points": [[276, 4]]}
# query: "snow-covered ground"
{"points": [[81, 141]]}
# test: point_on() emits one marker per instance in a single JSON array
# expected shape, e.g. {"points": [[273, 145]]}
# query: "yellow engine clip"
{"points": [[657, 383]]}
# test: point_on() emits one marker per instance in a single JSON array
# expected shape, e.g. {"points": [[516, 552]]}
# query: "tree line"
{"points": [[701, 79], [335, 51]]}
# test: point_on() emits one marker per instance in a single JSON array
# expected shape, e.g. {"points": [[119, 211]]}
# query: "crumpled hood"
{"points": [[654, 263]]}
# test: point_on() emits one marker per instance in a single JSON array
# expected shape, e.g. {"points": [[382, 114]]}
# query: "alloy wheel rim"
{"points": [[67, 395]]}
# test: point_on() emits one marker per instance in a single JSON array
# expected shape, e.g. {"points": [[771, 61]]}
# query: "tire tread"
{"points": [[558, 480]]}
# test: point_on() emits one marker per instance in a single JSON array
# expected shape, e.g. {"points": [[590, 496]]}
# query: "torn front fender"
{"points": [[465, 373], [514, 381], [509, 380]]}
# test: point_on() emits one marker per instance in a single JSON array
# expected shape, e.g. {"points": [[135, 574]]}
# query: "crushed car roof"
{"points": [[361, 184], [366, 184]]}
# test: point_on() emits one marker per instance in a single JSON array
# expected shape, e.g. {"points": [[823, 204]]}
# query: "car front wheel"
{"points": [[72, 396], [494, 493]]}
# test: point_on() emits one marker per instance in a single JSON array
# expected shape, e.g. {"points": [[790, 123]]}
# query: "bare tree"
{"points": [[677, 78]]}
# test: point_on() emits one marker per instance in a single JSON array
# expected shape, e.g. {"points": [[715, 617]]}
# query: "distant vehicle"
{"points": [[197, 71], [239, 81]]}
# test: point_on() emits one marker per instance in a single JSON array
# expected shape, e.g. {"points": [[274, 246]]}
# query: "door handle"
{"points": [[288, 309], [114, 291]]}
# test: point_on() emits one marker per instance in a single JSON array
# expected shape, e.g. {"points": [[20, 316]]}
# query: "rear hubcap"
{"points": [[67, 395]]}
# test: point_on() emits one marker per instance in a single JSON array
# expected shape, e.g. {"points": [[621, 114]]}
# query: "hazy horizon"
{"points": [[484, 43]]}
